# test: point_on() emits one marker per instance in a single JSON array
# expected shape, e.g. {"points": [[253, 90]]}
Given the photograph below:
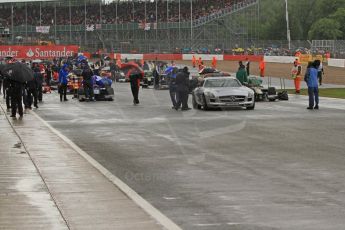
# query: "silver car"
{"points": [[222, 92]]}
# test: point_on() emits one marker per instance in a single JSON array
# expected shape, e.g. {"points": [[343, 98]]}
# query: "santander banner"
{"points": [[38, 52]]}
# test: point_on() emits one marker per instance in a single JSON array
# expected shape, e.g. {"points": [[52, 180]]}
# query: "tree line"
{"points": [[309, 19]]}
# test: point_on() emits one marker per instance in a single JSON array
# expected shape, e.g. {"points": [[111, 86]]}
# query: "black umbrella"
{"points": [[208, 70], [17, 72]]}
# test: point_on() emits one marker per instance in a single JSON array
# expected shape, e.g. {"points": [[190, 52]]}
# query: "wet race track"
{"points": [[277, 167]]}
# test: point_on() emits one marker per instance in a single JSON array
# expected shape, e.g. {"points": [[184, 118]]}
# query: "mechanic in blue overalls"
{"points": [[173, 88]]}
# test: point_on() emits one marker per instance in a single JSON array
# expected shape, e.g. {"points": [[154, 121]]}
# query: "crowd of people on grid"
{"points": [[30, 93]]}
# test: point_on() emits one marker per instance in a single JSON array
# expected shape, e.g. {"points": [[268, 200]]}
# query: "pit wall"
{"points": [[253, 58]]}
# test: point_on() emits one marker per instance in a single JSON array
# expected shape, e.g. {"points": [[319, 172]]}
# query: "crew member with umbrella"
{"points": [[16, 90], [16, 74], [135, 74], [134, 79]]}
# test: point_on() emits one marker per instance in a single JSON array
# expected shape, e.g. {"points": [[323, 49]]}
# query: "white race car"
{"points": [[222, 92]]}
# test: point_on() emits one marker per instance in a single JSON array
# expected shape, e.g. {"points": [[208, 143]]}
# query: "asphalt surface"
{"points": [[277, 167]]}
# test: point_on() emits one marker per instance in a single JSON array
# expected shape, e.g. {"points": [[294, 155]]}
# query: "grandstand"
{"points": [[133, 25]]}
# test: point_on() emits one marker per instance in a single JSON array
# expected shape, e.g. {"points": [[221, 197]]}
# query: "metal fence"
{"points": [[216, 31], [223, 32]]}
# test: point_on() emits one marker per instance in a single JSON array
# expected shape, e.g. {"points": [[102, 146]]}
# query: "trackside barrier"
{"points": [[305, 58], [253, 58], [204, 57], [167, 57], [336, 62], [209, 57], [278, 59], [187, 57], [131, 56]]}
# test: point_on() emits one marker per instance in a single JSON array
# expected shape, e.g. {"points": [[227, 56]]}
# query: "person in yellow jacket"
{"points": [[296, 73]]}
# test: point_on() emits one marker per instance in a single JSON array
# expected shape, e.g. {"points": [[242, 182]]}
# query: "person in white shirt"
{"points": [[247, 65]]}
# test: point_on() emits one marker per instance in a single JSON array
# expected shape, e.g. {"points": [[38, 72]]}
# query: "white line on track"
{"points": [[208, 225], [140, 201]]}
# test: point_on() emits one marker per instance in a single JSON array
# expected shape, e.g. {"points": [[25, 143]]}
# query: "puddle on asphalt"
{"points": [[18, 145]]}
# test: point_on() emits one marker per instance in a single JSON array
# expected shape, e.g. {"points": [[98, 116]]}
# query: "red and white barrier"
{"points": [[280, 59], [188, 57], [132, 56], [204, 57], [336, 62], [166, 57], [54, 51], [220, 57], [252, 58]]}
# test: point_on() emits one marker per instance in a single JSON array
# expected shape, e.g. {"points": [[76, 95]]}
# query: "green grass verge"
{"points": [[334, 93]]}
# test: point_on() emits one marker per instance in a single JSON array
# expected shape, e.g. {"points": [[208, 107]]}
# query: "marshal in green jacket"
{"points": [[241, 75]]}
